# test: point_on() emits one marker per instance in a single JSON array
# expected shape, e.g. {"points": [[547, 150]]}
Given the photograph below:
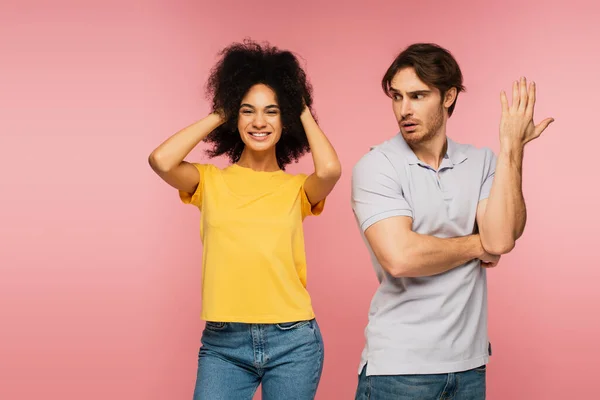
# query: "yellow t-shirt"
{"points": [[253, 261]]}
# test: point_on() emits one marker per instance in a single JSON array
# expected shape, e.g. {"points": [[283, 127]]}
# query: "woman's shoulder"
{"points": [[208, 168], [298, 177]]}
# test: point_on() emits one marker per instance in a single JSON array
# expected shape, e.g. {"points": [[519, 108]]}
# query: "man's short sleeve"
{"points": [[489, 169], [376, 191]]}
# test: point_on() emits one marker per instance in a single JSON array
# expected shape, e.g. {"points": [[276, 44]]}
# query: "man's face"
{"points": [[418, 107]]}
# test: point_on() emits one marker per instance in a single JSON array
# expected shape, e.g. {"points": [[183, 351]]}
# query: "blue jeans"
{"points": [[467, 385], [286, 358]]}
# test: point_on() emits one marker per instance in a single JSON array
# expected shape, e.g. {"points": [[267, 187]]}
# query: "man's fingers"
{"points": [[541, 127], [531, 100], [515, 97], [490, 264], [522, 94], [504, 101]]}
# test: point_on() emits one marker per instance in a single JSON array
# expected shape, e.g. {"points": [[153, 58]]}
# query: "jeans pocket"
{"points": [[215, 326], [288, 326]]}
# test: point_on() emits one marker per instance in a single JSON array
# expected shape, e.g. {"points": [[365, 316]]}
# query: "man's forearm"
{"points": [[505, 212], [426, 255]]}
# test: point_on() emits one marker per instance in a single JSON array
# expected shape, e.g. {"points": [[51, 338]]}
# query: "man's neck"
{"points": [[432, 151]]}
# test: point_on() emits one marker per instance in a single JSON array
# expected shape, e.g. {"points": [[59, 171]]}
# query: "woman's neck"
{"points": [[263, 161]]}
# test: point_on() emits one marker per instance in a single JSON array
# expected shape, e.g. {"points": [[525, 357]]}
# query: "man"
{"points": [[435, 215]]}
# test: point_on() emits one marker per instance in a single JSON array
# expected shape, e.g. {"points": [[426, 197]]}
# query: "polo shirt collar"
{"points": [[454, 154]]}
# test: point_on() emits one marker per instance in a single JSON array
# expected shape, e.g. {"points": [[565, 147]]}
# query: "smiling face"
{"points": [[419, 109], [259, 120]]}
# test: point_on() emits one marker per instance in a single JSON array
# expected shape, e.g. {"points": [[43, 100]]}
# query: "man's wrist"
{"points": [[513, 151], [477, 247]]}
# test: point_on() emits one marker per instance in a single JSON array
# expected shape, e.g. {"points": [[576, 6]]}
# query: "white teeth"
{"points": [[259, 134]]}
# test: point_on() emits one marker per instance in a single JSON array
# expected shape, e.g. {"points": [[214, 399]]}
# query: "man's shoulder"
{"points": [[473, 153], [381, 156]]}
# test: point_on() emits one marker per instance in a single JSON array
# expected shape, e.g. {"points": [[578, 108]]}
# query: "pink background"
{"points": [[100, 277]]}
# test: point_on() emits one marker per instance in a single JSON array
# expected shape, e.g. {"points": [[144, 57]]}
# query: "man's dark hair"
{"points": [[433, 64]]}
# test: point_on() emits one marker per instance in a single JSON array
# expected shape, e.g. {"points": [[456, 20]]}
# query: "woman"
{"points": [[260, 325]]}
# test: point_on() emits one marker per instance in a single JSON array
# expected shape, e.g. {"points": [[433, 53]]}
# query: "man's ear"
{"points": [[450, 97]]}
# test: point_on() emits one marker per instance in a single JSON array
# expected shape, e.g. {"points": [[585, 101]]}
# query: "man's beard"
{"points": [[431, 130]]}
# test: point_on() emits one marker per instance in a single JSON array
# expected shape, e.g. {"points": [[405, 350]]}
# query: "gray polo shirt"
{"points": [[435, 324]]}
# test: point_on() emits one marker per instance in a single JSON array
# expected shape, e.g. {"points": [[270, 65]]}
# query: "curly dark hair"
{"points": [[243, 65]]}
